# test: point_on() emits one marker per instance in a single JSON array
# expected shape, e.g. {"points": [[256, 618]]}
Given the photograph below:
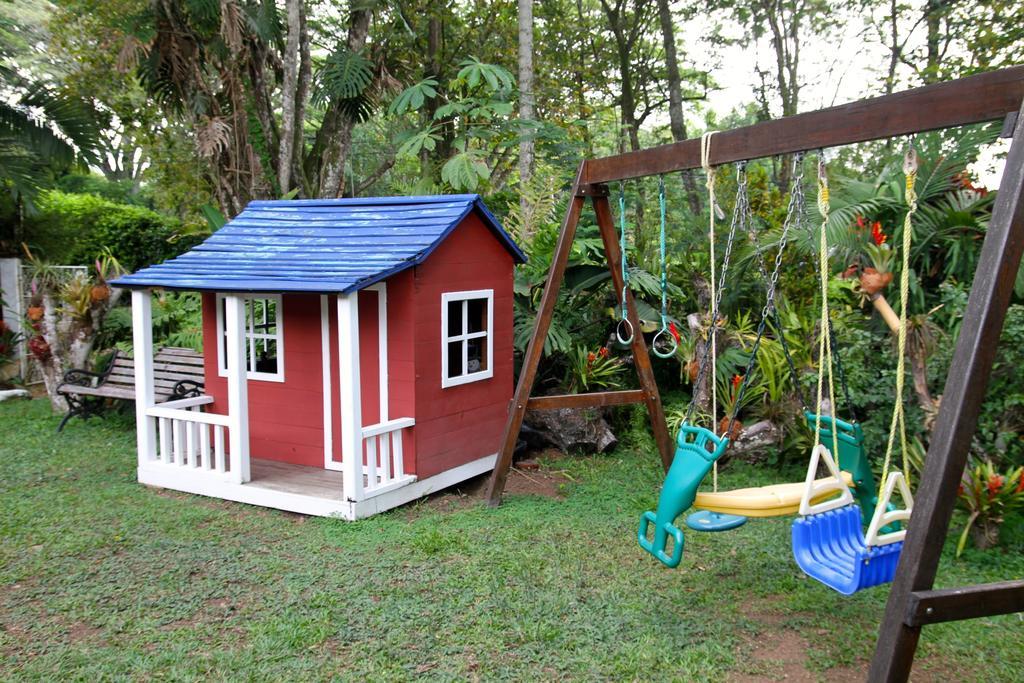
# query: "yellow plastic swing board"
{"points": [[776, 500]]}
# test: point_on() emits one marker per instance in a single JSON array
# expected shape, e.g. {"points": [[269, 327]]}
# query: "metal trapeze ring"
{"points": [[671, 338], [618, 331]]}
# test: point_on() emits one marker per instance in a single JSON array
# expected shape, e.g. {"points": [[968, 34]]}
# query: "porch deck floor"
{"points": [[301, 479]]}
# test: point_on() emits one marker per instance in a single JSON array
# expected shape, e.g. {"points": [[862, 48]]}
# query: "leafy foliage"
{"points": [[75, 228]]}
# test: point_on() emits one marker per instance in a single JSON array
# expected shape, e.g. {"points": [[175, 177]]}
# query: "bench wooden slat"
{"points": [[171, 365], [124, 381], [106, 391]]}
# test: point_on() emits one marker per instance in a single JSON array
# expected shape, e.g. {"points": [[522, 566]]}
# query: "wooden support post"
{"points": [[957, 420], [641, 359], [535, 349], [350, 397], [238, 387], [145, 395]]}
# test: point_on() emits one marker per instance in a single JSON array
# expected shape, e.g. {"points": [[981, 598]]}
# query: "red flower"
{"points": [[877, 235], [591, 357], [39, 348], [673, 331], [995, 482], [1020, 485], [736, 380], [603, 352], [860, 221]]}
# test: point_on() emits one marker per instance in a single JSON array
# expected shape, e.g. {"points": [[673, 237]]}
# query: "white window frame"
{"points": [[465, 336], [251, 336]]}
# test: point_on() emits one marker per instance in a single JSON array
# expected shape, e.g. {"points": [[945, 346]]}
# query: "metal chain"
{"points": [[794, 211], [841, 374]]}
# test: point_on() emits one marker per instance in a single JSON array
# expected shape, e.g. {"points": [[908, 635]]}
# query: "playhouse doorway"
{"points": [[373, 368]]}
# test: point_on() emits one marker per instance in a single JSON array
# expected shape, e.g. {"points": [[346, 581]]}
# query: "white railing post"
{"points": [[145, 397], [349, 397], [238, 396]]}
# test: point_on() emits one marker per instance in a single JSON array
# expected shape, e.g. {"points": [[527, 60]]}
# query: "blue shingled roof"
{"points": [[319, 245]]}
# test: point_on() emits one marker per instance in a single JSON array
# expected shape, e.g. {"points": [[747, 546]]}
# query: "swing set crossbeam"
{"points": [[976, 99], [982, 98]]}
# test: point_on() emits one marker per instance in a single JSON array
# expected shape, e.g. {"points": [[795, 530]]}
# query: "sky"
{"points": [[835, 70]]}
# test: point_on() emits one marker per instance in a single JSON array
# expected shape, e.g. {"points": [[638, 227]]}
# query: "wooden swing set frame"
{"points": [[993, 96]]}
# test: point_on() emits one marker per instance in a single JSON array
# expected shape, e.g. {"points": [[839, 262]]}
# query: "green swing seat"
{"points": [[697, 449]]}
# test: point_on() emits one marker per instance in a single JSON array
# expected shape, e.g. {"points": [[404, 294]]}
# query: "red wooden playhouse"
{"points": [[358, 354]]}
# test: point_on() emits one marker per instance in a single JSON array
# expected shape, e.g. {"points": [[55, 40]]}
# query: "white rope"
{"points": [[709, 173]]}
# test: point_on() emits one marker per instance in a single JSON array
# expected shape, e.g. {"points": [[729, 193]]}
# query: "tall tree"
{"points": [[677, 123], [294, 89], [526, 99]]}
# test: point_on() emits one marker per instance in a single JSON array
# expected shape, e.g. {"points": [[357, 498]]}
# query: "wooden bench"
{"points": [[177, 373]]}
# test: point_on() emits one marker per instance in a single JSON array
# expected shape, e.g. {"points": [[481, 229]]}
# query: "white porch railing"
{"points": [[385, 467], [190, 438]]}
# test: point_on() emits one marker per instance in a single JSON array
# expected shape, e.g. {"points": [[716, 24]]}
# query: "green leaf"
{"points": [[464, 171], [345, 75], [418, 141], [474, 72], [413, 97], [213, 217]]}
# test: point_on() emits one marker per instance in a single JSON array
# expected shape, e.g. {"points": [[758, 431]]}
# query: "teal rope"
{"points": [[664, 264], [664, 344], [622, 246]]}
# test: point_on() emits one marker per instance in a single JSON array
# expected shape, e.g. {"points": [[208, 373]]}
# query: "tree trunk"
{"points": [[919, 372], [332, 174], [526, 98], [933, 24], [70, 340], [290, 105], [677, 124]]}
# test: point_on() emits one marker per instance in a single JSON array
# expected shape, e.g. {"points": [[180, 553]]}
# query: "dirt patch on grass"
{"points": [[779, 653], [536, 476]]}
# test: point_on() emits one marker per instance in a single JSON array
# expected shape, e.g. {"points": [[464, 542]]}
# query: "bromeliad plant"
{"points": [[878, 275], [65, 316], [988, 495], [590, 370]]}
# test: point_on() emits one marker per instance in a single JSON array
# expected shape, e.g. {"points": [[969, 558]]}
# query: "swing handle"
{"points": [[656, 546], [624, 331], [664, 344], [884, 516]]}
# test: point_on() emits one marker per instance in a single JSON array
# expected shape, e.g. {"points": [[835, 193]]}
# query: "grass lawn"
{"points": [[102, 578]]}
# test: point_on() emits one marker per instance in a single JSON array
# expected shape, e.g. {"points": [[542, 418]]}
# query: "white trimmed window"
{"points": [[467, 345], [264, 337]]}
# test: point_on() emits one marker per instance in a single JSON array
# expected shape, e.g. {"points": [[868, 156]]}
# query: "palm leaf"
{"points": [[345, 75]]}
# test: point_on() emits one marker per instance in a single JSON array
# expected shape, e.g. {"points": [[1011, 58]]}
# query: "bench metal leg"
{"points": [[79, 405]]}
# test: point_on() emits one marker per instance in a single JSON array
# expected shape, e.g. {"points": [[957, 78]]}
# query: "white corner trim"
{"points": [[465, 336], [142, 344], [250, 337], [325, 358], [349, 396], [382, 347]]}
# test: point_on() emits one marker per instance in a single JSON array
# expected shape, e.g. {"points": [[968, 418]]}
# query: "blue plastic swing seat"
{"points": [[830, 547]]}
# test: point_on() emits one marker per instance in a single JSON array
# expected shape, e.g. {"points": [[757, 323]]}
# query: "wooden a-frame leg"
{"points": [[641, 359], [535, 348], [957, 420]]}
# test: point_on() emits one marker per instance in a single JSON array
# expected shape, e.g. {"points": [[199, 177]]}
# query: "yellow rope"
{"points": [[825, 341], [898, 417], [705, 162]]}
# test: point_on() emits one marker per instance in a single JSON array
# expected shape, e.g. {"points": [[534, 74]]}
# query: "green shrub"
{"points": [[74, 228]]}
